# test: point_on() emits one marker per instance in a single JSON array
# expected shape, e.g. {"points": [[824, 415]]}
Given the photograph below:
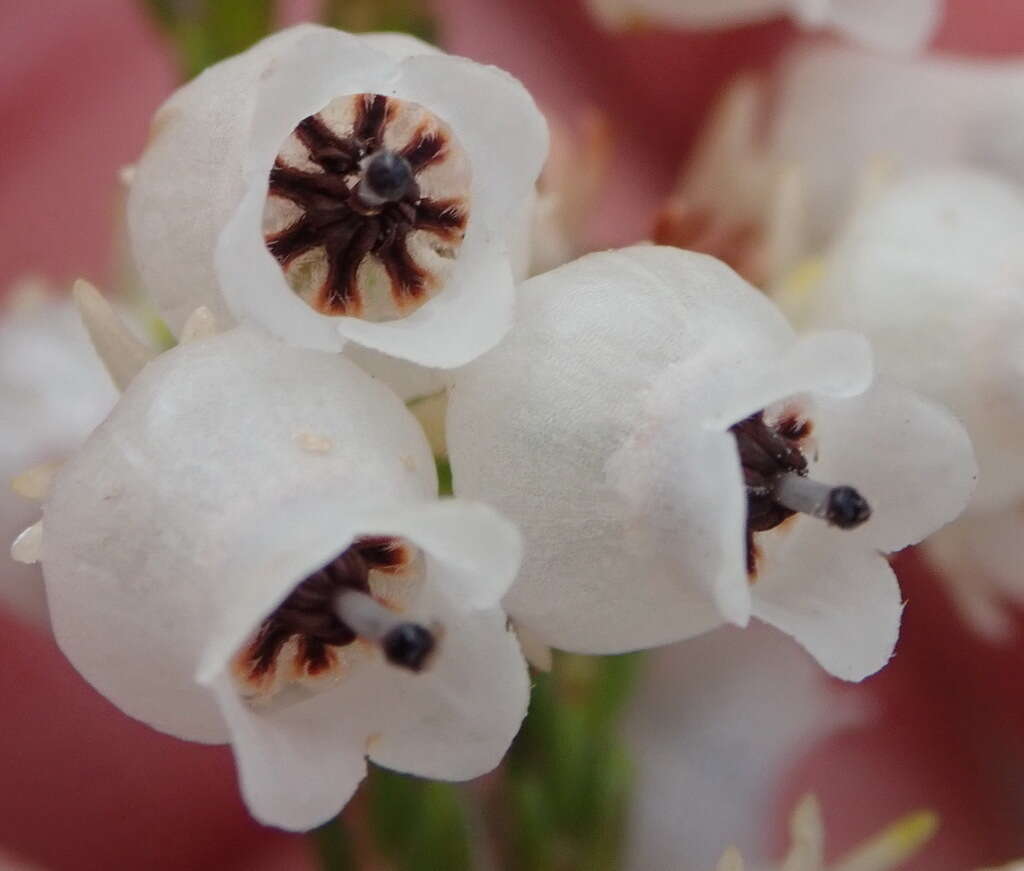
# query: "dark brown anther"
{"points": [[361, 199], [309, 614], [775, 475]]}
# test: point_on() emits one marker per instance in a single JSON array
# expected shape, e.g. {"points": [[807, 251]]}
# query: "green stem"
{"points": [[333, 847]]}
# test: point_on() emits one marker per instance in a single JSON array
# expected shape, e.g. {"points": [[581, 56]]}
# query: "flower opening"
{"points": [[367, 207], [776, 482], [334, 616]]}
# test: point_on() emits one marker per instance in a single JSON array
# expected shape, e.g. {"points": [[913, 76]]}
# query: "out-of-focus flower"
{"points": [[53, 392], [735, 200], [715, 725], [933, 273], [249, 549], [777, 172], [656, 428], [890, 25], [332, 187], [886, 851], [981, 559], [568, 190], [843, 116]]}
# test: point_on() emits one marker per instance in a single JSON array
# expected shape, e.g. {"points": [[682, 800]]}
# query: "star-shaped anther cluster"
{"points": [[304, 631], [355, 189]]}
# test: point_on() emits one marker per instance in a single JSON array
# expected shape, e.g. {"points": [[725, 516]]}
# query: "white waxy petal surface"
{"points": [[916, 480], [933, 274], [149, 517], [299, 766], [233, 468], [839, 599], [841, 114]]}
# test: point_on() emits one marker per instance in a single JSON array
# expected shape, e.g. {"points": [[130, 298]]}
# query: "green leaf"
{"points": [[206, 31], [418, 824], [360, 16], [333, 847]]}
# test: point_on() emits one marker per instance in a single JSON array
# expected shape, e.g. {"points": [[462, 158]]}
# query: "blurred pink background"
{"points": [[82, 787]]}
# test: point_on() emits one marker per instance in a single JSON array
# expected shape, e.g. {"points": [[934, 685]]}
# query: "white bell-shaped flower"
{"points": [[332, 187], [250, 549], [887, 25], [850, 120], [979, 558], [53, 392], [659, 434], [716, 725], [933, 273]]}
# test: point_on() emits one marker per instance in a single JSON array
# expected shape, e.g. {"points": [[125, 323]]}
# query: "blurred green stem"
{"points": [[360, 16], [333, 847], [206, 31]]}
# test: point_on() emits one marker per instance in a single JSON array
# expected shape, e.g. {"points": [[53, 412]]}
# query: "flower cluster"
{"points": [[251, 548]]}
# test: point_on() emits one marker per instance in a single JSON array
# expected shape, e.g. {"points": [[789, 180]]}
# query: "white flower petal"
{"points": [[495, 119], [297, 766], [468, 318], [908, 456], [835, 363], [189, 180], [476, 550], [399, 45], [980, 558], [840, 112], [28, 545], [837, 598], [408, 380], [684, 486], [455, 720], [714, 727], [897, 26]]}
